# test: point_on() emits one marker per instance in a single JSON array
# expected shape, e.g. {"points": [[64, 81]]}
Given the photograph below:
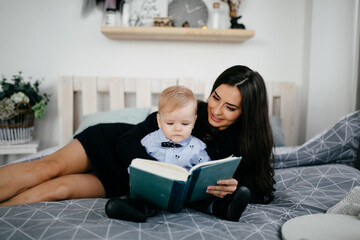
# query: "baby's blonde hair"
{"points": [[176, 97]]}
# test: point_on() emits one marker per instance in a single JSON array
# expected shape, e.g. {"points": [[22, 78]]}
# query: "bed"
{"points": [[309, 179]]}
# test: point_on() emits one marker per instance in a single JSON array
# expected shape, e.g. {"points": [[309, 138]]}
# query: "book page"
{"points": [[212, 162], [166, 170]]}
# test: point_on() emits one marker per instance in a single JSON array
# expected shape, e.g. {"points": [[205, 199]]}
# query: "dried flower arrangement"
{"points": [[18, 95], [20, 102]]}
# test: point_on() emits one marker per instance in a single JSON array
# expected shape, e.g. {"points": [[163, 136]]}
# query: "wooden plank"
{"points": [[287, 111], [65, 109], [77, 84], [143, 93], [130, 85], [103, 85], [89, 95], [282, 104], [158, 85], [187, 82], [207, 89], [200, 88], [177, 34], [117, 94]]}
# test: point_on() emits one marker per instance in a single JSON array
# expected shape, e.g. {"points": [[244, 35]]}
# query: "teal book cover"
{"points": [[169, 186]]}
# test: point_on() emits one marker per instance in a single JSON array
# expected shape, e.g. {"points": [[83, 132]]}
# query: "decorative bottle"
{"points": [[125, 15], [110, 13], [110, 17], [214, 19]]}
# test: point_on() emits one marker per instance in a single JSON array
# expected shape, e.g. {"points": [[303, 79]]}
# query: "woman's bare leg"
{"points": [[72, 186], [18, 177]]}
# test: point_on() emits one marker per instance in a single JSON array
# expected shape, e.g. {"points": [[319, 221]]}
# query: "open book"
{"points": [[169, 186]]}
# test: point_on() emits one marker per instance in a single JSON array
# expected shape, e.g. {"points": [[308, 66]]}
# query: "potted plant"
{"points": [[20, 102]]}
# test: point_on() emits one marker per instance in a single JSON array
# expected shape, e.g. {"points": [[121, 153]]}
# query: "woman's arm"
{"points": [[223, 188]]}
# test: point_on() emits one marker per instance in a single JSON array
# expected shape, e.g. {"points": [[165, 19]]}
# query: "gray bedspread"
{"points": [[304, 185]]}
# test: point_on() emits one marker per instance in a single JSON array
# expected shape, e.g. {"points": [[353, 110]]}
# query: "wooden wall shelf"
{"points": [[177, 34]]}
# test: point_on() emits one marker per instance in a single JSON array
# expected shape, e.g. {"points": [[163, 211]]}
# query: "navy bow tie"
{"points": [[170, 145]]}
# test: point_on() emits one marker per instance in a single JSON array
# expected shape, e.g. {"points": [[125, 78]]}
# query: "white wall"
{"points": [[45, 39], [332, 63]]}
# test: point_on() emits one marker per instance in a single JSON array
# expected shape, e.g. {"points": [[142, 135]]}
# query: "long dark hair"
{"points": [[256, 142]]}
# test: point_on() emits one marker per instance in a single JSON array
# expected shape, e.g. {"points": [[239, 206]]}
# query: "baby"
{"points": [[173, 142]]}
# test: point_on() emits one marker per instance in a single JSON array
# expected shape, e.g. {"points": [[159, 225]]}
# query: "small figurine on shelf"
{"points": [[186, 24], [233, 9], [163, 22], [235, 24]]}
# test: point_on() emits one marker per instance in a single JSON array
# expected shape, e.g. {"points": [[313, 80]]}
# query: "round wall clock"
{"points": [[194, 12]]}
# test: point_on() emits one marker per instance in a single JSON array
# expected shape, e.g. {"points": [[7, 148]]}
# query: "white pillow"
{"points": [[125, 115]]}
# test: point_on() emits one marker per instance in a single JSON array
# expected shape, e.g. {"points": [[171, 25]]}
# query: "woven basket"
{"points": [[19, 129]]}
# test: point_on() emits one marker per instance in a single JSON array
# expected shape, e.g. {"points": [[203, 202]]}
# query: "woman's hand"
{"points": [[223, 188]]}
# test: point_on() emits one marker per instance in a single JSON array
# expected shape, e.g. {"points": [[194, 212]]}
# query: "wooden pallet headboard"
{"points": [[281, 98]]}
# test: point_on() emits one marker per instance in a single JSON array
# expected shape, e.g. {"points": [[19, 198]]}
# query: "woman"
{"points": [[234, 121]]}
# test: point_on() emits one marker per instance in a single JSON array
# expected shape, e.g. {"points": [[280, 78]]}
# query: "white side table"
{"points": [[322, 227], [17, 149]]}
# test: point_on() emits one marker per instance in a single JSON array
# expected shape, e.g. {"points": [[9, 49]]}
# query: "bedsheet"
{"points": [[300, 191], [309, 179]]}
